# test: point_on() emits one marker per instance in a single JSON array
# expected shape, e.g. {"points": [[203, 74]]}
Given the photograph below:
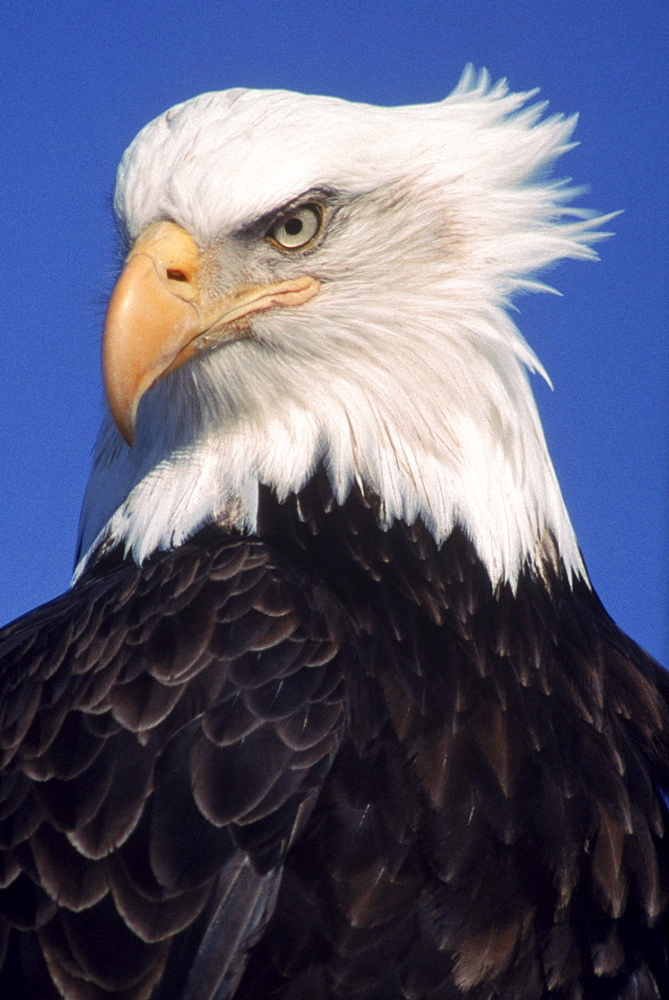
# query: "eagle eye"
{"points": [[297, 228]]}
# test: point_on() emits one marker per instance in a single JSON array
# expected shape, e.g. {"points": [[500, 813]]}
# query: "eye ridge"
{"points": [[298, 227]]}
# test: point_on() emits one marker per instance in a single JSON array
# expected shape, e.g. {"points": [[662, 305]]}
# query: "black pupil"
{"points": [[294, 226]]}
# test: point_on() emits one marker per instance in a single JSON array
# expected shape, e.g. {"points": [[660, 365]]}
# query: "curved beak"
{"points": [[158, 316]]}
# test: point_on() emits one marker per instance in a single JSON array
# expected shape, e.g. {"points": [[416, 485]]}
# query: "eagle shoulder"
{"points": [[164, 732]]}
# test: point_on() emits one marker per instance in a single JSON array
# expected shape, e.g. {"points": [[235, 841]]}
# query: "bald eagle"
{"points": [[331, 709]]}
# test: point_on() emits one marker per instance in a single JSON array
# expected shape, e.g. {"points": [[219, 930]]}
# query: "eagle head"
{"points": [[310, 283]]}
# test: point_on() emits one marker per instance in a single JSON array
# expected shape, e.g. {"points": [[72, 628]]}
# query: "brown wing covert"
{"points": [[164, 734]]}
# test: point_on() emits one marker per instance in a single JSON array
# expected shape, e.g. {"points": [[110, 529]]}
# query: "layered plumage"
{"points": [[331, 709]]}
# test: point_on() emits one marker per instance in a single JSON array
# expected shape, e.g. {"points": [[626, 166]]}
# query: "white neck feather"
{"points": [[455, 441]]}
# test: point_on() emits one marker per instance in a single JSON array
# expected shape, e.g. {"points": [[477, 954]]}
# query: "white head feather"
{"points": [[405, 372]]}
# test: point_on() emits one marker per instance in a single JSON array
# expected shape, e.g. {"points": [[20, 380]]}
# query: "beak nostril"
{"points": [[175, 275]]}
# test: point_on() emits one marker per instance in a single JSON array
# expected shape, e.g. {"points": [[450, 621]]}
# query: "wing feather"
{"points": [[166, 731]]}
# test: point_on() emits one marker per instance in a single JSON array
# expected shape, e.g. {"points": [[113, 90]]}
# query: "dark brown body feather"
{"points": [[330, 763]]}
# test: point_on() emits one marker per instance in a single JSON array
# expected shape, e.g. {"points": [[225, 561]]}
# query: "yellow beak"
{"points": [[158, 317]]}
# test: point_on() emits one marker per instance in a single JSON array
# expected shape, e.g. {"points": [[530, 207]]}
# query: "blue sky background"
{"points": [[78, 81]]}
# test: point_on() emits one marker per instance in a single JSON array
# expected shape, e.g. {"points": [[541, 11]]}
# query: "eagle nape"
{"points": [[331, 709]]}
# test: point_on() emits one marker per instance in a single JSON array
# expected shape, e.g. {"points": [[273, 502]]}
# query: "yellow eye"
{"points": [[297, 227]]}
